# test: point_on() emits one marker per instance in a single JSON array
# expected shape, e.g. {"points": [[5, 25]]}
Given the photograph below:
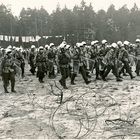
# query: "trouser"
{"points": [[51, 70], [108, 69], [102, 67], [97, 69], [32, 70], [137, 67], [64, 75], [40, 75], [22, 69], [6, 77], [51, 73], [127, 68], [82, 72]]}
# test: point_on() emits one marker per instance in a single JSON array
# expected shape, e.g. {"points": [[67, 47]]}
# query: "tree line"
{"points": [[80, 23]]}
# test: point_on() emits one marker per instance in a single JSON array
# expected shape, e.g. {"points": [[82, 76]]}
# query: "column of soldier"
{"points": [[70, 61]]}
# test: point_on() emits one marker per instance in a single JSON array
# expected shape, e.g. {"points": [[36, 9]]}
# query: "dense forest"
{"points": [[80, 23]]}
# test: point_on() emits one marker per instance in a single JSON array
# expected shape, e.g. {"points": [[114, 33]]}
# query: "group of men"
{"points": [[70, 61]]}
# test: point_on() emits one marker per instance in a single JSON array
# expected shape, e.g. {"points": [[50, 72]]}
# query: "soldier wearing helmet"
{"points": [[95, 58], [125, 58], [110, 60], [41, 64], [51, 60], [102, 52], [64, 61], [19, 56], [31, 61], [8, 70], [137, 54], [77, 58]]}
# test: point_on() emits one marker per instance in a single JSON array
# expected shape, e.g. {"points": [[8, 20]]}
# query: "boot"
{"points": [[12, 88], [41, 81], [131, 76], [137, 73], [72, 79], [65, 87], [119, 79], [98, 78], [103, 78], [5, 90], [88, 82]]}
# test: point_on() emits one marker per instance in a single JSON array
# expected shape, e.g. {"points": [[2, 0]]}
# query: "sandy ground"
{"points": [[100, 110]]}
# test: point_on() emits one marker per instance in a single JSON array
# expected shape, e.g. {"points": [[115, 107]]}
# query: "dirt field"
{"points": [[100, 110]]}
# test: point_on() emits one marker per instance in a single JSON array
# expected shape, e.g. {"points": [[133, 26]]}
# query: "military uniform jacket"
{"points": [[7, 65], [41, 62], [63, 60]]}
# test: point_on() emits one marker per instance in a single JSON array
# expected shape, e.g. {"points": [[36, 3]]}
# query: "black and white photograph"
{"points": [[70, 69]]}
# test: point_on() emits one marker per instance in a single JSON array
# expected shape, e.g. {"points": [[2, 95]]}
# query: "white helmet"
{"points": [[8, 50], [67, 46], [33, 47], [137, 40], [92, 43], [114, 45], [51, 44], [83, 43], [46, 46], [14, 48], [79, 44], [9, 47], [119, 43], [126, 43], [96, 41], [41, 48], [62, 45], [104, 41], [17, 49]]}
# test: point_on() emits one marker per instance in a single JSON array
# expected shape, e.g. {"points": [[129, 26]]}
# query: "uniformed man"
{"points": [[137, 54], [31, 60], [64, 61], [19, 56], [51, 60], [77, 59], [102, 52], [110, 60], [41, 64], [124, 57], [8, 71], [95, 58]]}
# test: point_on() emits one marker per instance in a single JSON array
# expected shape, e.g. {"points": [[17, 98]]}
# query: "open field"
{"points": [[100, 110]]}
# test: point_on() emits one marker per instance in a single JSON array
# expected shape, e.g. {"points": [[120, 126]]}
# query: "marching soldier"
{"points": [[102, 52], [63, 60], [95, 58], [51, 61], [41, 64], [32, 56], [137, 54], [124, 57], [78, 64], [8, 71], [110, 60], [19, 56]]}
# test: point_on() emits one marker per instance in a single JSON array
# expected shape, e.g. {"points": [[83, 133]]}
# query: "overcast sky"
{"points": [[49, 5]]}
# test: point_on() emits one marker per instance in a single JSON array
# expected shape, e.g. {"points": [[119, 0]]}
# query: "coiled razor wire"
{"points": [[89, 115]]}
